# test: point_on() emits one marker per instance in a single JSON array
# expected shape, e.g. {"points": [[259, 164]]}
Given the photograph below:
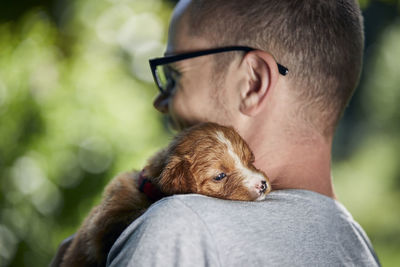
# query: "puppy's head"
{"points": [[212, 160]]}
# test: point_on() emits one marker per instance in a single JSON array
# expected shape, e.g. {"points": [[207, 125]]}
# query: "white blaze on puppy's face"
{"points": [[254, 181]]}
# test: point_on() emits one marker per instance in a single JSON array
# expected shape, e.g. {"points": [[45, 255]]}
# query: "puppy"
{"points": [[206, 159]]}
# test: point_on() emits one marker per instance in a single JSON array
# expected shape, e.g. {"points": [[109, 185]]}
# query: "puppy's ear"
{"points": [[176, 178]]}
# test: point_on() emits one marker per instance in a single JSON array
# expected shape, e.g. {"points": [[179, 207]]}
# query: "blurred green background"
{"points": [[76, 109]]}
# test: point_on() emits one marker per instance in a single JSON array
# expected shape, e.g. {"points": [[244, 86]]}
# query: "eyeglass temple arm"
{"points": [[282, 70]]}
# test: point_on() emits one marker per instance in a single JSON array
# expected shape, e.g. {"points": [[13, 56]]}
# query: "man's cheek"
{"points": [[174, 118]]}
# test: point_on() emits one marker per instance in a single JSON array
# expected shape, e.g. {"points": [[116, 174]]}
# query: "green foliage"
{"points": [[75, 109], [382, 89], [366, 3], [368, 183]]}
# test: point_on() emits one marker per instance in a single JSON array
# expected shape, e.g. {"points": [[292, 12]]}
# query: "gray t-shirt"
{"points": [[288, 228]]}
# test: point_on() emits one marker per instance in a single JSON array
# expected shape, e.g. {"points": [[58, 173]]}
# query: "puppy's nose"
{"points": [[264, 186]]}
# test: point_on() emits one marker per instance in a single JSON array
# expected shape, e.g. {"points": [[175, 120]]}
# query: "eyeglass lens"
{"points": [[165, 79]]}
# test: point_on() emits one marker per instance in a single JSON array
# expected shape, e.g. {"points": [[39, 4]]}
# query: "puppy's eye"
{"points": [[220, 176]]}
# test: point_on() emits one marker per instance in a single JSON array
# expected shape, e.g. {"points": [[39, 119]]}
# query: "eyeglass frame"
{"points": [[155, 62]]}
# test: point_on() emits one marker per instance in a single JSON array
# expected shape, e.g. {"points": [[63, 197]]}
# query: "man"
{"points": [[284, 95], [287, 116]]}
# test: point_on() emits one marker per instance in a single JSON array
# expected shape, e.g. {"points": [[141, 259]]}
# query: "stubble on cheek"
{"points": [[175, 119], [220, 104], [205, 102]]}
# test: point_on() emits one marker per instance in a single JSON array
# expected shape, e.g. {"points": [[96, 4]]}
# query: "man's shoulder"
{"points": [[284, 206], [289, 202], [169, 233], [285, 213], [289, 226], [167, 215]]}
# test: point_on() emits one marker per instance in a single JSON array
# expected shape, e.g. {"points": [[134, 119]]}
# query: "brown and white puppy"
{"points": [[206, 159]]}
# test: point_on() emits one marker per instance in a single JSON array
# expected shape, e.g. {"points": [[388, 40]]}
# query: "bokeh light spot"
{"points": [[110, 21], [139, 30], [8, 243], [95, 155], [27, 175]]}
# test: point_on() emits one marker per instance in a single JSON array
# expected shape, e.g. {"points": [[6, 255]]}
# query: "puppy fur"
{"points": [[206, 159]]}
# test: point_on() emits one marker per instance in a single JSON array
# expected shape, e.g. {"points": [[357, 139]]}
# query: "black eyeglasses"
{"points": [[164, 75]]}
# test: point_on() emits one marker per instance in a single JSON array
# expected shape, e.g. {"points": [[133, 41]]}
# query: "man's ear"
{"points": [[176, 178], [262, 75]]}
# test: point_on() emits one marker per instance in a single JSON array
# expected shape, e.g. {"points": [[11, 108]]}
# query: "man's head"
{"points": [[320, 42]]}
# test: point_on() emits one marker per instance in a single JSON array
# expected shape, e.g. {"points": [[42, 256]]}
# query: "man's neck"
{"points": [[295, 163]]}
